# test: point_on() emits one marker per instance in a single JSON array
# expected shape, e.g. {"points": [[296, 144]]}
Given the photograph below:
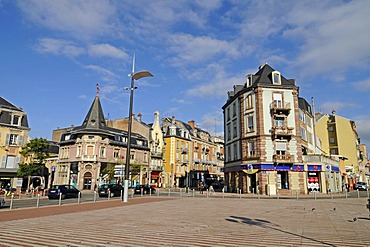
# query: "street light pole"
{"points": [[134, 76]]}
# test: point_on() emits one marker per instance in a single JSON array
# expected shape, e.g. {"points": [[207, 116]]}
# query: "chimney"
{"points": [[191, 123], [173, 120], [139, 117]]}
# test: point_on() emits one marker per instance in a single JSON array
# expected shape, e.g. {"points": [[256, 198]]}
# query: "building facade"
{"points": [[14, 131], [339, 137], [263, 152], [88, 152]]}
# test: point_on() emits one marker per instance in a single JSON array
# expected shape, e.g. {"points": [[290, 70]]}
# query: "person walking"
{"points": [[201, 187], [8, 190]]}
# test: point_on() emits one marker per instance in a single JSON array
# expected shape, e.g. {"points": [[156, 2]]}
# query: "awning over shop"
{"points": [[298, 168], [266, 167], [314, 168], [282, 168], [334, 169]]}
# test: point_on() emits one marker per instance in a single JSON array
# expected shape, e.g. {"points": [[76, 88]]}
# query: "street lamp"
{"points": [[134, 76]]}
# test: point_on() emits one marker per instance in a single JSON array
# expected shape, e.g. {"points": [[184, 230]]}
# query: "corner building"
{"points": [[263, 152]]}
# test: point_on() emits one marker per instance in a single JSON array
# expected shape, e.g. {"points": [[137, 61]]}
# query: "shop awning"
{"points": [[314, 168], [282, 168]]}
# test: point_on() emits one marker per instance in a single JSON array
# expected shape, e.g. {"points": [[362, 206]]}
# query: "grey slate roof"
{"points": [[264, 77], [5, 113]]}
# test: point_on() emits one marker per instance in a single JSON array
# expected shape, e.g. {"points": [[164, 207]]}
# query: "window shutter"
{"points": [[281, 146], [3, 161], [20, 141], [7, 139]]}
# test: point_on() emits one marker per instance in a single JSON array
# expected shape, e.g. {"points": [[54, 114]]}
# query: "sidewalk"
{"points": [[187, 221]]}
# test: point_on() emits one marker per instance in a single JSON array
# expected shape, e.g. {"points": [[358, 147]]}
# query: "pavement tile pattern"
{"points": [[191, 222]]}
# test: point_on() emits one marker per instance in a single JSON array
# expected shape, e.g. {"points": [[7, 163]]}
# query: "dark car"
{"points": [[110, 189], [360, 186], [145, 188], [67, 191]]}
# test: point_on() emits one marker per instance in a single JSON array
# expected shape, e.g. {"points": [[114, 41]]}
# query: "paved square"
{"points": [[201, 222]]}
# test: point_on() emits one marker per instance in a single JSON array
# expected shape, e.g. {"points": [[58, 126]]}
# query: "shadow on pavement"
{"points": [[270, 225]]}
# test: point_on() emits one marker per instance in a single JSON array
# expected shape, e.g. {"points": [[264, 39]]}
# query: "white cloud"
{"points": [[106, 50], [363, 85], [81, 19], [336, 106], [189, 49], [100, 70], [59, 47], [213, 123], [219, 85]]}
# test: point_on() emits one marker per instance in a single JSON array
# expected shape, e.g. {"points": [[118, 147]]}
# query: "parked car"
{"points": [[110, 189], [360, 186], [145, 188], [67, 191]]}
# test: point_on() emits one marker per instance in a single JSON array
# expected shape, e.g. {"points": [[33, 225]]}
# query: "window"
{"points": [[249, 80], [248, 102], [278, 99], [276, 79], [331, 140], [16, 120], [13, 140], [333, 151], [234, 109], [301, 116], [90, 150], [116, 153], [281, 147], [78, 153], [234, 129], [279, 121], [228, 113], [250, 123], [102, 152], [251, 151], [235, 152], [331, 128], [228, 132], [229, 153], [303, 133]]}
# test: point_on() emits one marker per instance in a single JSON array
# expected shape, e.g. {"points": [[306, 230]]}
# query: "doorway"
{"points": [[87, 181]]}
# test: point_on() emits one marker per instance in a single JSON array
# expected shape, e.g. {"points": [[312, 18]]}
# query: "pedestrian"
{"points": [[201, 187], [8, 189]]}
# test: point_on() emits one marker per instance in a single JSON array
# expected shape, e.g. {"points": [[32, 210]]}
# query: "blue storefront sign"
{"points": [[314, 168]]}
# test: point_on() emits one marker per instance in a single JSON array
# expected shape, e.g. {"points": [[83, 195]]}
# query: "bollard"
{"points": [[358, 193], [109, 195], [193, 193], [60, 199], [11, 202], [368, 196], [207, 193], [169, 192], [79, 197], [331, 195], [150, 191], [314, 194], [158, 192], [121, 194], [277, 194], [132, 193], [180, 192], [94, 196], [38, 200], [240, 193], [20, 193], [223, 192]]}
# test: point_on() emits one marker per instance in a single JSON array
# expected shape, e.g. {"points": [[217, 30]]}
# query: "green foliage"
{"points": [[35, 152], [109, 170]]}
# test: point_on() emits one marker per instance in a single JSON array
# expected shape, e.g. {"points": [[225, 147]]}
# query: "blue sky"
{"points": [[54, 52]]}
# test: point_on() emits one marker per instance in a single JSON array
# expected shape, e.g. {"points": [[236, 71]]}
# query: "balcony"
{"points": [[280, 108], [157, 155], [282, 131], [184, 150], [196, 160], [89, 157], [283, 158]]}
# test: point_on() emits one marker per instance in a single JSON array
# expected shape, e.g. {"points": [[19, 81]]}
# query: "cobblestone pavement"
{"points": [[191, 222]]}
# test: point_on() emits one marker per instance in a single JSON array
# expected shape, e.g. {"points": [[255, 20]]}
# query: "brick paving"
{"points": [[160, 221]]}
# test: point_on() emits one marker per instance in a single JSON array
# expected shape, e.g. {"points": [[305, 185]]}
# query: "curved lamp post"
{"points": [[134, 76]]}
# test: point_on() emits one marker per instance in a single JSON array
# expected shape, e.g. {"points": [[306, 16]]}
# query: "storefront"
{"points": [[314, 183]]}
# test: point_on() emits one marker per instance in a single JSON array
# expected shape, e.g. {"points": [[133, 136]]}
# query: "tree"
{"points": [[35, 152]]}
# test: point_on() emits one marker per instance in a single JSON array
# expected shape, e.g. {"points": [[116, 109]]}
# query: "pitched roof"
{"points": [[6, 104], [95, 117], [264, 76]]}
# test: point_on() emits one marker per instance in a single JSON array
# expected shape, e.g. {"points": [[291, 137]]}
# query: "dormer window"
{"points": [[276, 78], [16, 119], [249, 80]]}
